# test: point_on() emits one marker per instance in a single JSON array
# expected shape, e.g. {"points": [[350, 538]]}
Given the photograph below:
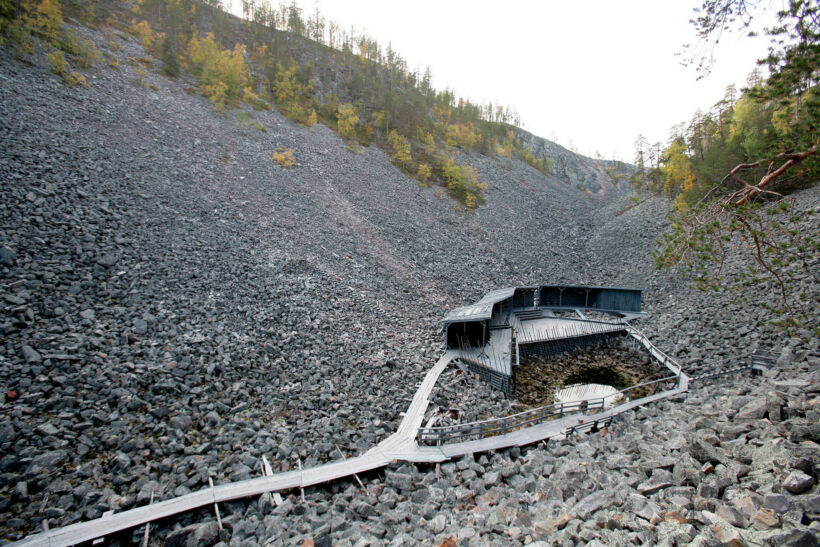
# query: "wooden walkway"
{"points": [[401, 445], [392, 448]]}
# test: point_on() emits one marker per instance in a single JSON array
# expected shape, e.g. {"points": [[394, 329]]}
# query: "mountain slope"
{"points": [[161, 251], [175, 304]]}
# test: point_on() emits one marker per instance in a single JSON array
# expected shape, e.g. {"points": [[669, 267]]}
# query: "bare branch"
{"points": [[791, 160]]}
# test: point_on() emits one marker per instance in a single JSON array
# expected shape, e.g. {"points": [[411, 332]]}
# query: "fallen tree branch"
{"points": [[749, 191], [698, 239]]}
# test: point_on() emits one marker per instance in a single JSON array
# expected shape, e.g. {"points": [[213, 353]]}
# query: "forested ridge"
{"points": [[732, 168], [310, 69]]}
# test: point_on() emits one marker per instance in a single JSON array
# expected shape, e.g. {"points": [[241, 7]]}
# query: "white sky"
{"points": [[592, 74]]}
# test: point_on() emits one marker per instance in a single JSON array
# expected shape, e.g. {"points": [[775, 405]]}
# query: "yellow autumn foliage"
{"points": [[284, 157], [424, 173], [401, 148], [462, 134], [224, 75], [348, 118], [463, 183], [145, 33], [677, 168], [46, 16]]}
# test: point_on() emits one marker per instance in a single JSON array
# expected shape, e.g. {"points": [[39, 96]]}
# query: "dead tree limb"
{"points": [[749, 191], [699, 235]]}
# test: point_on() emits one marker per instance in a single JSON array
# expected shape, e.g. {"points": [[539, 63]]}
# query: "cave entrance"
{"points": [[600, 375], [585, 373]]}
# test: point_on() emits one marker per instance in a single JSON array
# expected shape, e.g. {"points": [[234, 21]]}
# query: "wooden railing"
{"points": [[501, 426]]}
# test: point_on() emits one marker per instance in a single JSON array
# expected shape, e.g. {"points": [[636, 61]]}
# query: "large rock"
{"points": [[31, 355], [704, 452], [400, 481], [660, 479], [776, 502], [181, 422], [438, 524], [592, 503], [728, 535], [149, 490], [798, 482], [731, 515], [203, 534], [755, 410], [50, 460], [796, 538], [7, 257], [363, 509], [765, 519], [108, 260]]}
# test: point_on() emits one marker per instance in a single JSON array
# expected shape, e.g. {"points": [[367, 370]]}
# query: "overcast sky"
{"points": [[591, 74]]}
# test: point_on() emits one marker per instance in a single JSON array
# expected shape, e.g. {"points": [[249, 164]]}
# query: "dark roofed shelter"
{"points": [[491, 334]]}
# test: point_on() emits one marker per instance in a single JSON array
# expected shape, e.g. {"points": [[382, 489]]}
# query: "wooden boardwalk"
{"points": [[401, 445], [392, 448]]}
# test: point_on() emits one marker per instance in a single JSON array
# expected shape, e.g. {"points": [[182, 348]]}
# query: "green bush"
{"points": [[463, 183], [170, 59], [224, 75]]}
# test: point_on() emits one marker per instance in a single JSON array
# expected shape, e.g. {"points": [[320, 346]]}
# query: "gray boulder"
{"points": [[196, 535], [7, 257], [798, 482]]}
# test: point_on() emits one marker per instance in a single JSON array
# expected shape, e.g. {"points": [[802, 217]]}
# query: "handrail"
{"points": [[649, 345], [528, 417], [541, 408], [544, 413], [589, 424]]}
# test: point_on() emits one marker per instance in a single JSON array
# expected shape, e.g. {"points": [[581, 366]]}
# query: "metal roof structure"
{"points": [[492, 335], [483, 309]]}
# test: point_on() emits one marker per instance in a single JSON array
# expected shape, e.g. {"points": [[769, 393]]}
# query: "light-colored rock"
{"points": [[728, 535], [798, 482], [765, 519]]}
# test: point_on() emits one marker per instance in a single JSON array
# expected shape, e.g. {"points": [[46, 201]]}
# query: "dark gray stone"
{"points": [[363, 509], [660, 479], [776, 502], [202, 534], [108, 260], [7, 257], [797, 538], [592, 503], [31, 355], [704, 452], [50, 460], [140, 326], [492, 478], [731, 515], [798, 482], [755, 410], [48, 429], [400, 481], [181, 422]]}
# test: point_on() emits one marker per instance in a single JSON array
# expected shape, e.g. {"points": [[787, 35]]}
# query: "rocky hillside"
{"points": [[593, 175], [175, 305]]}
